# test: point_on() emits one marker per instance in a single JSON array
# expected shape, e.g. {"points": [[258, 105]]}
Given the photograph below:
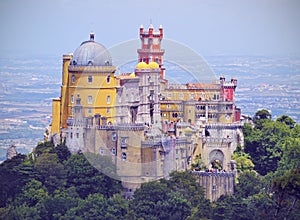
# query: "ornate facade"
{"points": [[147, 126]]}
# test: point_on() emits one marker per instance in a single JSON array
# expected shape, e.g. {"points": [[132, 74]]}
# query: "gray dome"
{"points": [[91, 53]]}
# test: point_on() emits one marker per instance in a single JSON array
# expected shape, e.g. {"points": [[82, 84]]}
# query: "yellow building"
{"points": [[87, 73]]}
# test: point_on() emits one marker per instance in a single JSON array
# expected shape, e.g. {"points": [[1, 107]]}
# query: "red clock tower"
{"points": [[150, 50]]}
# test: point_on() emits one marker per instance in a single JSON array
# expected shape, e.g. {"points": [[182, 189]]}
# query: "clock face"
{"points": [[227, 117]]}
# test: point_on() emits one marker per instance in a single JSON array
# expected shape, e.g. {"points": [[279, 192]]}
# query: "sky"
{"points": [[34, 28]]}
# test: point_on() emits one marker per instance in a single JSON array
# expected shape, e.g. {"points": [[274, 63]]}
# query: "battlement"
{"points": [[92, 69], [123, 127], [224, 126]]}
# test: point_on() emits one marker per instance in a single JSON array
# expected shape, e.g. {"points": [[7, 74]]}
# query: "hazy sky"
{"points": [[241, 27]]}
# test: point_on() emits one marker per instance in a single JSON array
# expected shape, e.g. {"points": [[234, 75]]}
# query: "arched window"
{"points": [[113, 151], [108, 79], [73, 79], [124, 156], [90, 79]]}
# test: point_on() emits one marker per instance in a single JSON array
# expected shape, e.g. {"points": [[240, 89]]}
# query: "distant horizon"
{"points": [[233, 27]]}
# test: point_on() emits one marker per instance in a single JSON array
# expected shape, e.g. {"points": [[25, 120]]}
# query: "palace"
{"points": [[146, 125]]}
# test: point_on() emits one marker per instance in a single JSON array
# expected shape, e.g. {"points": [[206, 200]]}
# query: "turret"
{"points": [[150, 30], [141, 31], [160, 31], [222, 80], [234, 81]]}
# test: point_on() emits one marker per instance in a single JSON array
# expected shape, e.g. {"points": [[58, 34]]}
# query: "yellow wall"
{"points": [[55, 127], [98, 89], [64, 91]]}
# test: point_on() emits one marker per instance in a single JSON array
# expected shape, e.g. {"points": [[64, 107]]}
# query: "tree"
{"points": [[261, 117], [186, 184], [287, 120], [262, 114], [52, 173], [12, 180], [94, 206], [155, 200], [62, 201], [291, 154], [287, 194], [248, 184], [33, 193], [230, 207], [261, 206], [198, 164], [62, 152], [264, 145], [87, 179], [243, 161], [117, 208]]}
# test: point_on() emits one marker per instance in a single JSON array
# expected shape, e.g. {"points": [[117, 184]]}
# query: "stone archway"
{"points": [[216, 159]]}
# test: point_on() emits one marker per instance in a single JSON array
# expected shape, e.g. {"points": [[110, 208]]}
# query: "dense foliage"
{"points": [[50, 183]]}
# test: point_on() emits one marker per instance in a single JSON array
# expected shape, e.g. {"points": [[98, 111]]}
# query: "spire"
{"points": [[92, 36]]}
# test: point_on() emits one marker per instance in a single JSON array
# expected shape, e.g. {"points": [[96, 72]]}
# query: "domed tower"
{"points": [[87, 73]]}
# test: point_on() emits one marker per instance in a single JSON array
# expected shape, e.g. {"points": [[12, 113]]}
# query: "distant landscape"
{"points": [[28, 85]]}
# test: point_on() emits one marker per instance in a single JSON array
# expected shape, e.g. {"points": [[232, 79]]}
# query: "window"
{"points": [[123, 142], [108, 110], [114, 136], [89, 111], [77, 135], [108, 99], [90, 99], [113, 151], [90, 79], [73, 79], [124, 156], [101, 151], [72, 98], [108, 79]]}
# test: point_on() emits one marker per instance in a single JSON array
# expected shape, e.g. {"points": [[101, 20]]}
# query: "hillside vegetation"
{"points": [[50, 183]]}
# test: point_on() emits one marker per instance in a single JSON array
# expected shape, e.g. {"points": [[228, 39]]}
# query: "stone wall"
{"points": [[216, 184]]}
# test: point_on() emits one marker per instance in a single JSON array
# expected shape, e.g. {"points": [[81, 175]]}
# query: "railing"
{"points": [[228, 126], [204, 173], [101, 69], [139, 126]]}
